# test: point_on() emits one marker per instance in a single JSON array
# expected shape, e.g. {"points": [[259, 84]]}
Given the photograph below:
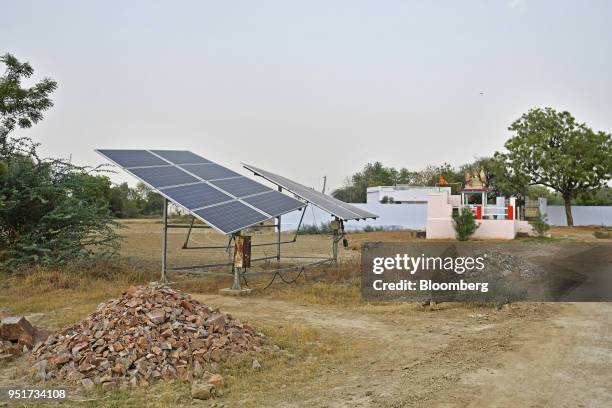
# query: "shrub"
{"points": [[540, 225], [313, 229], [50, 213], [464, 223], [369, 228]]}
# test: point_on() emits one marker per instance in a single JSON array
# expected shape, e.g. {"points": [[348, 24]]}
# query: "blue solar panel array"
{"points": [[215, 194], [335, 207]]}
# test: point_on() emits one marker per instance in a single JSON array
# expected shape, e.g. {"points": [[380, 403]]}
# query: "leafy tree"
{"points": [[552, 197], [551, 149], [373, 174], [118, 198], [49, 213], [601, 196], [376, 174], [20, 106], [154, 203]]}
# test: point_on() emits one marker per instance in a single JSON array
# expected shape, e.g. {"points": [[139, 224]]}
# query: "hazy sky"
{"points": [[309, 88]]}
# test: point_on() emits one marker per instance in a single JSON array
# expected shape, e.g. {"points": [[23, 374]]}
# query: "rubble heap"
{"points": [[506, 265], [17, 335], [149, 333]]}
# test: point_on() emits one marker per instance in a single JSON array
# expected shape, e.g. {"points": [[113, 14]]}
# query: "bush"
{"points": [[540, 225], [464, 223], [50, 213], [369, 228], [313, 229]]}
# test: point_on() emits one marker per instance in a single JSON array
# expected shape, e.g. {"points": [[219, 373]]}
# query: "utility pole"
{"points": [[324, 184]]}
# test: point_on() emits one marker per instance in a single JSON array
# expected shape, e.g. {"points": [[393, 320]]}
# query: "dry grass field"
{"points": [[337, 350]]}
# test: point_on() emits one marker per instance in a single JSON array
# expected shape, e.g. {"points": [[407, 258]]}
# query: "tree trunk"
{"points": [[568, 210]]}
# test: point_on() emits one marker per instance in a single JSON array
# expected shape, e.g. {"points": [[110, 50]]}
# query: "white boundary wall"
{"points": [[583, 215], [414, 216]]}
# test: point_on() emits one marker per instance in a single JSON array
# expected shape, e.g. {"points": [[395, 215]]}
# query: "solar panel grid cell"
{"points": [[133, 158], [163, 176], [274, 202], [209, 171], [240, 187], [232, 216], [180, 156], [196, 195]]}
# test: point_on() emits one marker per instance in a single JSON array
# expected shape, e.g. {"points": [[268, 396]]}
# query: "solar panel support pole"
{"points": [[335, 244], [235, 270], [278, 232], [164, 240]]}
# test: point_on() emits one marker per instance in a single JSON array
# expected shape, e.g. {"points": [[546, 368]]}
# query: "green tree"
{"points": [[601, 196], [21, 106], [373, 174], [551, 149], [51, 211], [376, 174], [552, 197]]}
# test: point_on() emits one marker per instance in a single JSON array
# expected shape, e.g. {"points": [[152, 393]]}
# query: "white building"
{"points": [[402, 194]]}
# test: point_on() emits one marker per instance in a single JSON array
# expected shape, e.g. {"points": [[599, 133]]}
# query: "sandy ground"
{"points": [[528, 355], [524, 355]]}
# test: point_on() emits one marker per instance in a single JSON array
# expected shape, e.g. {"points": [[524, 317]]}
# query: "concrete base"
{"points": [[235, 292]]}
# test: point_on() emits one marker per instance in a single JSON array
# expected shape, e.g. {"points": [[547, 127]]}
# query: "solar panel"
{"points": [[133, 158], [233, 215], [209, 171], [327, 203], [240, 187], [216, 195], [180, 156], [163, 176], [273, 202], [196, 195]]}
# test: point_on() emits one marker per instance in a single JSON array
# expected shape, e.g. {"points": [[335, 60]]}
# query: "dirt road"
{"points": [[527, 355]]}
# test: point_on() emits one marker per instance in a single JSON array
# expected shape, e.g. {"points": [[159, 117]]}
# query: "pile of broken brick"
{"points": [[17, 335], [151, 332]]}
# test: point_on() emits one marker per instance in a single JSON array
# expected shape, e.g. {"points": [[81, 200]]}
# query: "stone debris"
{"points": [[17, 335], [210, 385], [505, 265], [150, 333], [217, 381], [202, 390]]}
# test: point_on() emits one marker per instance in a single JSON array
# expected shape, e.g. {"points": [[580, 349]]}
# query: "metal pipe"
{"points": [[186, 268], [278, 231], [203, 266], [263, 258], [288, 268], [188, 233], [205, 273], [208, 247], [164, 240], [188, 226], [277, 243]]}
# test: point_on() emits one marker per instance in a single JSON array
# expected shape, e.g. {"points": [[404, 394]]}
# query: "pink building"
{"points": [[496, 221]]}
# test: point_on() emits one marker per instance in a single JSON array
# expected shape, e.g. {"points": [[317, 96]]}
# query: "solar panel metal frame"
{"points": [[342, 210], [160, 190]]}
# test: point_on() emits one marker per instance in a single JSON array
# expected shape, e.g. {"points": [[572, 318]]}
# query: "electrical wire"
{"points": [[290, 281]]}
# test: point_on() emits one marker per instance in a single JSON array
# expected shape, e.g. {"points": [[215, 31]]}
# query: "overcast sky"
{"points": [[309, 88]]}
